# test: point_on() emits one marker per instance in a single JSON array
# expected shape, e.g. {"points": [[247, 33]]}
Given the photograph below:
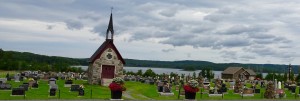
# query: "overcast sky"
{"points": [[221, 31]]}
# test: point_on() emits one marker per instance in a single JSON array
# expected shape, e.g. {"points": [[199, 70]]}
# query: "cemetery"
{"points": [[162, 87]]}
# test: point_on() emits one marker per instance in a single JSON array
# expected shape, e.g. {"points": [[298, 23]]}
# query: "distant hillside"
{"points": [[12, 60], [198, 65]]}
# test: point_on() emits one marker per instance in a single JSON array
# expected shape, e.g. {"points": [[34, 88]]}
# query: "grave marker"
{"points": [[18, 91]]}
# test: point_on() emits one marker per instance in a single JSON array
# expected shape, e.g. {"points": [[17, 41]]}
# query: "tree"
{"points": [[259, 76], [149, 73], [203, 72], [285, 77], [270, 76], [194, 75], [140, 72], [292, 76]]}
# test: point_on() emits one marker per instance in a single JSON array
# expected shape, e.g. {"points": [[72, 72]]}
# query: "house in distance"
{"points": [[106, 63], [238, 73]]}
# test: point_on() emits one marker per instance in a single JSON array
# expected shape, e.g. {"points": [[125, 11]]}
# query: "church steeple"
{"points": [[110, 28]]}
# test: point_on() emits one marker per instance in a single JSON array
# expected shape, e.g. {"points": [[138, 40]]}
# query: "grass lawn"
{"points": [[137, 91]]}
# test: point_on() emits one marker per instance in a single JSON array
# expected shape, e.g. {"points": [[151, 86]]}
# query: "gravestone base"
{"points": [[214, 94], [166, 94], [116, 99], [247, 94], [67, 85]]}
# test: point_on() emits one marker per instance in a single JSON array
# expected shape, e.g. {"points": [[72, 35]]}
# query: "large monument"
{"points": [[106, 63]]}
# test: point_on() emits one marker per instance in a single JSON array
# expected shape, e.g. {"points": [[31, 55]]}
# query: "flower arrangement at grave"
{"points": [[117, 84], [238, 86], [190, 89], [116, 88], [270, 91]]}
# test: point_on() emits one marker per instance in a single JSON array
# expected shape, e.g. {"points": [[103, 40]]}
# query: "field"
{"points": [[135, 91]]}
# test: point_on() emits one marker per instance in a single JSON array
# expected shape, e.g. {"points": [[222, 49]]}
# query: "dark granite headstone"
{"points": [[18, 91], [52, 92], [81, 92], [35, 85], [69, 82], [74, 87], [25, 86]]}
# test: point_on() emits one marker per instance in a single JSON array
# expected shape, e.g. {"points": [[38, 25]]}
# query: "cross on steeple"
{"points": [[110, 26]]}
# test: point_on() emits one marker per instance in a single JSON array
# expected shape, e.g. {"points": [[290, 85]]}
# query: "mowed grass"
{"points": [[97, 92], [137, 91]]}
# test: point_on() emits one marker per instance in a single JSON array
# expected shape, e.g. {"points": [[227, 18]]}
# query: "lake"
{"points": [[166, 70]]}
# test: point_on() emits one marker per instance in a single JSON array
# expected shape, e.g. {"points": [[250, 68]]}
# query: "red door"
{"points": [[108, 71]]}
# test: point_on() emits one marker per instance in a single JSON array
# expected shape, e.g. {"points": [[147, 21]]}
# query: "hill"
{"points": [[12, 60]]}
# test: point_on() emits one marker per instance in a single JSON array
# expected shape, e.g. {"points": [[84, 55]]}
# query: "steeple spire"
{"points": [[110, 26]]}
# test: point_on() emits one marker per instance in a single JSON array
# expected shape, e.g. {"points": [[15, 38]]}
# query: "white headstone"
{"points": [[279, 85]]}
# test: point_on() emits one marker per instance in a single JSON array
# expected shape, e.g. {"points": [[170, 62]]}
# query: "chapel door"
{"points": [[108, 71]]}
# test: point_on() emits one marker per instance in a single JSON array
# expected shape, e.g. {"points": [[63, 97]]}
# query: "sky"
{"points": [[220, 31]]}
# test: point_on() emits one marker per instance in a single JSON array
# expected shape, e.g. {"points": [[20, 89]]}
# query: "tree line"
{"points": [[11, 60]]}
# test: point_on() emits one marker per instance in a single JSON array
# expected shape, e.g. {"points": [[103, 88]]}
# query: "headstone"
{"points": [[293, 89], [81, 92], [54, 86], [52, 81], [5, 86], [35, 85], [52, 92], [3, 80], [74, 87], [279, 85], [17, 78], [223, 89], [160, 86], [25, 86], [68, 83], [18, 91]]}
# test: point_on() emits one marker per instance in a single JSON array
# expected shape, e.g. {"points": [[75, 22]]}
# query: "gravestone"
{"points": [[68, 83], [81, 92], [25, 86], [52, 81], [74, 88], [35, 85], [293, 89], [160, 86], [52, 92], [17, 78], [3, 80], [223, 89], [53, 86], [18, 91], [5, 86]]}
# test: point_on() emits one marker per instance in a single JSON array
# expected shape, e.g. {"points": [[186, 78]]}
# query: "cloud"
{"points": [[74, 25], [167, 50], [50, 27]]}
